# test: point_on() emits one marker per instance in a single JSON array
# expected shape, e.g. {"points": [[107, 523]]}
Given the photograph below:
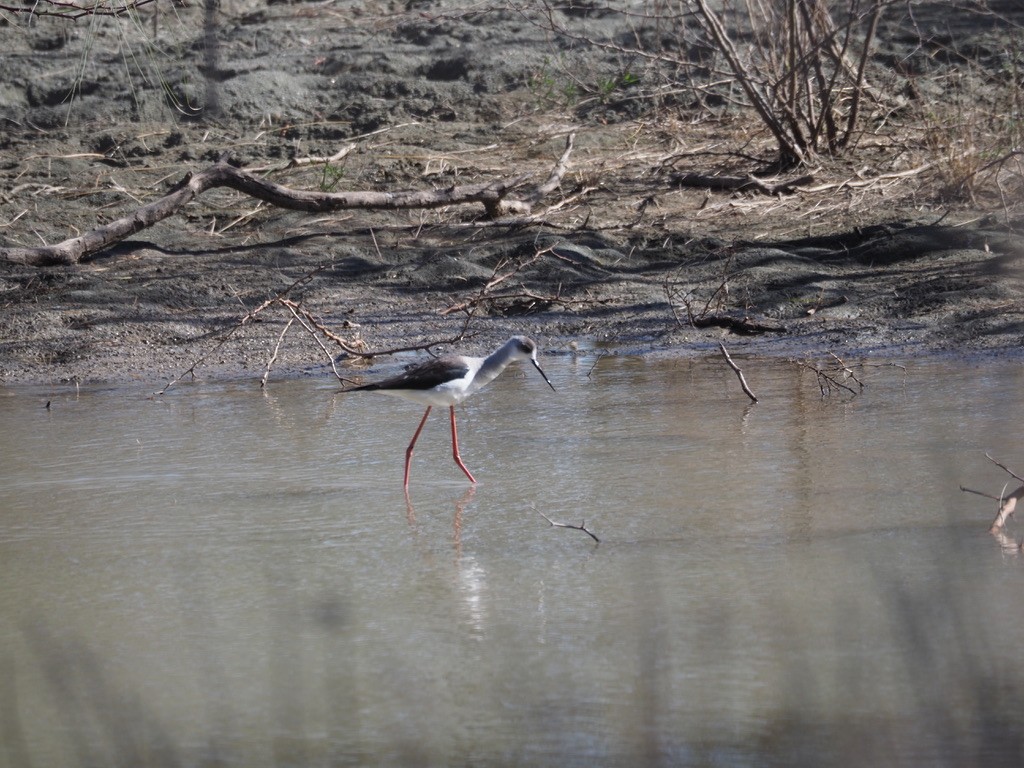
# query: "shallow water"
{"points": [[223, 575]]}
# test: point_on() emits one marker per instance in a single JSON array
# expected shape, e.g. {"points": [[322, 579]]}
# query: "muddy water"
{"points": [[224, 575]]}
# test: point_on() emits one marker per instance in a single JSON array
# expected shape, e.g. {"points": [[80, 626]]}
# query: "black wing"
{"points": [[427, 375]]}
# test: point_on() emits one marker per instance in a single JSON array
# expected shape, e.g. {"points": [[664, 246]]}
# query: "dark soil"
{"points": [[878, 256]]}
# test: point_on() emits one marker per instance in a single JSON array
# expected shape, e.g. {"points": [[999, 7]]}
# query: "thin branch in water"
{"points": [[1006, 469], [738, 372], [828, 378], [581, 527], [965, 489], [847, 371]]}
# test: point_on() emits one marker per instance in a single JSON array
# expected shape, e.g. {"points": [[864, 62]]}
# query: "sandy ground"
{"points": [[873, 258]]}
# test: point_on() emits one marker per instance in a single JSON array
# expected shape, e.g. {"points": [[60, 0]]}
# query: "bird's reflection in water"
{"points": [[470, 576], [460, 506]]}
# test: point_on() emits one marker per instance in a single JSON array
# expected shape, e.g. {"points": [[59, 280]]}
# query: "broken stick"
{"points": [[739, 373], [490, 194], [581, 527]]}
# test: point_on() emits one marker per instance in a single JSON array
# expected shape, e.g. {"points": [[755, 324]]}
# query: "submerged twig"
{"points": [[581, 527], [829, 378]]}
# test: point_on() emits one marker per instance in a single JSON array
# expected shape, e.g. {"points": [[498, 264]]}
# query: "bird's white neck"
{"points": [[495, 363]]}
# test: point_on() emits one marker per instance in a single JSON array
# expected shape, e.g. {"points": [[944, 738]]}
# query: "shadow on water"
{"points": [[226, 578]]}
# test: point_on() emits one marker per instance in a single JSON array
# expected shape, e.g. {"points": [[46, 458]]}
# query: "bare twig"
{"points": [[741, 183], [858, 89], [312, 331], [847, 371], [302, 162], [313, 326], [830, 378], [354, 349], [273, 356], [1006, 469], [243, 321], [738, 372], [789, 147], [191, 370], [75, 10], [581, 527], [965, 489], [870, 181]]}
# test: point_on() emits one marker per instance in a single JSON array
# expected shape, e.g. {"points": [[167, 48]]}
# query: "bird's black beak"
{"points": [[541, 372]]}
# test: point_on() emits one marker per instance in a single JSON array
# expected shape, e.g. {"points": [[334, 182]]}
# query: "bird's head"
{"points": [[526, 349]]}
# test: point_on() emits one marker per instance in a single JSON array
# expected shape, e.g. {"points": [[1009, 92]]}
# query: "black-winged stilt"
{"points": [[450, 379]]}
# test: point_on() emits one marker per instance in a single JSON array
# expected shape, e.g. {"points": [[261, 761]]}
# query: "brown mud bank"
{"points": [[870, 257]]}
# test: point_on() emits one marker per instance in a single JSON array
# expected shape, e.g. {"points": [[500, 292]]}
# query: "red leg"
{"points": [[408, 451], [455, 447]]}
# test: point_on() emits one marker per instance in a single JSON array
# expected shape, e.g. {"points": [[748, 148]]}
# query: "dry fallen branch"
{"points": [[230, 331], [740, 183], [581, 527], [554, 180], [869, 181], [738, 372], [315, 327], [1006, 469], [834, 377], [306, 321], [75, 10], [277, 348], [303, 162], [490, 194], [355, 348]]}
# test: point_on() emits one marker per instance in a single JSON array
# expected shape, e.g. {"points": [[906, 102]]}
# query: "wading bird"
{"points": [[450, 379]]}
